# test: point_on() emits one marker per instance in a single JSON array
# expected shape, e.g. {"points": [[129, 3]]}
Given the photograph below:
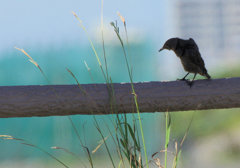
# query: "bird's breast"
{"points": [[189, 66], [179, 52]]}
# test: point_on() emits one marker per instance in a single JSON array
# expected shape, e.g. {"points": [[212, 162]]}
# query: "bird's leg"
{"points": [[191, 83], [184, 77]]}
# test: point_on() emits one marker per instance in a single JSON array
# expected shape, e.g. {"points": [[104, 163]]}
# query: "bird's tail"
{"points": [[205, 73], [208, 76]]}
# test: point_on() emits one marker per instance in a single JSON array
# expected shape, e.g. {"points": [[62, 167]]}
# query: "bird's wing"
{"points": [[195, 57], [193, 53], [186, 45], [192, 44]]}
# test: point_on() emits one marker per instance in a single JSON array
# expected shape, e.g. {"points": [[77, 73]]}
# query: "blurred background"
{"points": [[48, 31]]}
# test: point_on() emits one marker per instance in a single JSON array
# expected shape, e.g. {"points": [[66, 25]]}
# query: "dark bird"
{"points": [[188, 52]]}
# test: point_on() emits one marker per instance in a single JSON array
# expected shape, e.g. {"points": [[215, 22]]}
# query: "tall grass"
{"points": [[123, 130], [116, 29]]}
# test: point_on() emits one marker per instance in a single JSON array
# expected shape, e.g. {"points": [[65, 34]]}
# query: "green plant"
{"points": [[123, 130]]}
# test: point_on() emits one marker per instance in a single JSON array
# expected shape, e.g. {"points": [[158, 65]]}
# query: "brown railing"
{"points": [[51, 100]]}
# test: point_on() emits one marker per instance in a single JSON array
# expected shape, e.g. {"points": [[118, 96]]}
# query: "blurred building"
{"points": [[214, 24]]}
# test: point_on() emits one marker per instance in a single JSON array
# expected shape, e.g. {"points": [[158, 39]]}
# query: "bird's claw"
{"points": [[190, 84], [183, 79]]}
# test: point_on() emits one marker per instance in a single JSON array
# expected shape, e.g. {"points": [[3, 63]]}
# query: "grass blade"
{"points": [[99, 130], [24, 142], [167, 137], [91, 43]]}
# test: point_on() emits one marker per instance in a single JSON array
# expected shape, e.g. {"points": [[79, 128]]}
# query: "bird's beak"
{"points": [[160, 49]]}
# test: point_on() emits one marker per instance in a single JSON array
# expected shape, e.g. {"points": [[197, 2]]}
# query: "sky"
{"points": [[28, 23]]}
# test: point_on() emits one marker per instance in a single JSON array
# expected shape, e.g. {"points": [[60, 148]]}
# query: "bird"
{"points": [[188, 52]]}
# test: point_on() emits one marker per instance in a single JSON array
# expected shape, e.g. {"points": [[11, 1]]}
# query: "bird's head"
{"points": [[170, 44]]}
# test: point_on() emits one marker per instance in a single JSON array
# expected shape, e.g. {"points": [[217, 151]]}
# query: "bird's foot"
{"points": [[190, 84]]}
